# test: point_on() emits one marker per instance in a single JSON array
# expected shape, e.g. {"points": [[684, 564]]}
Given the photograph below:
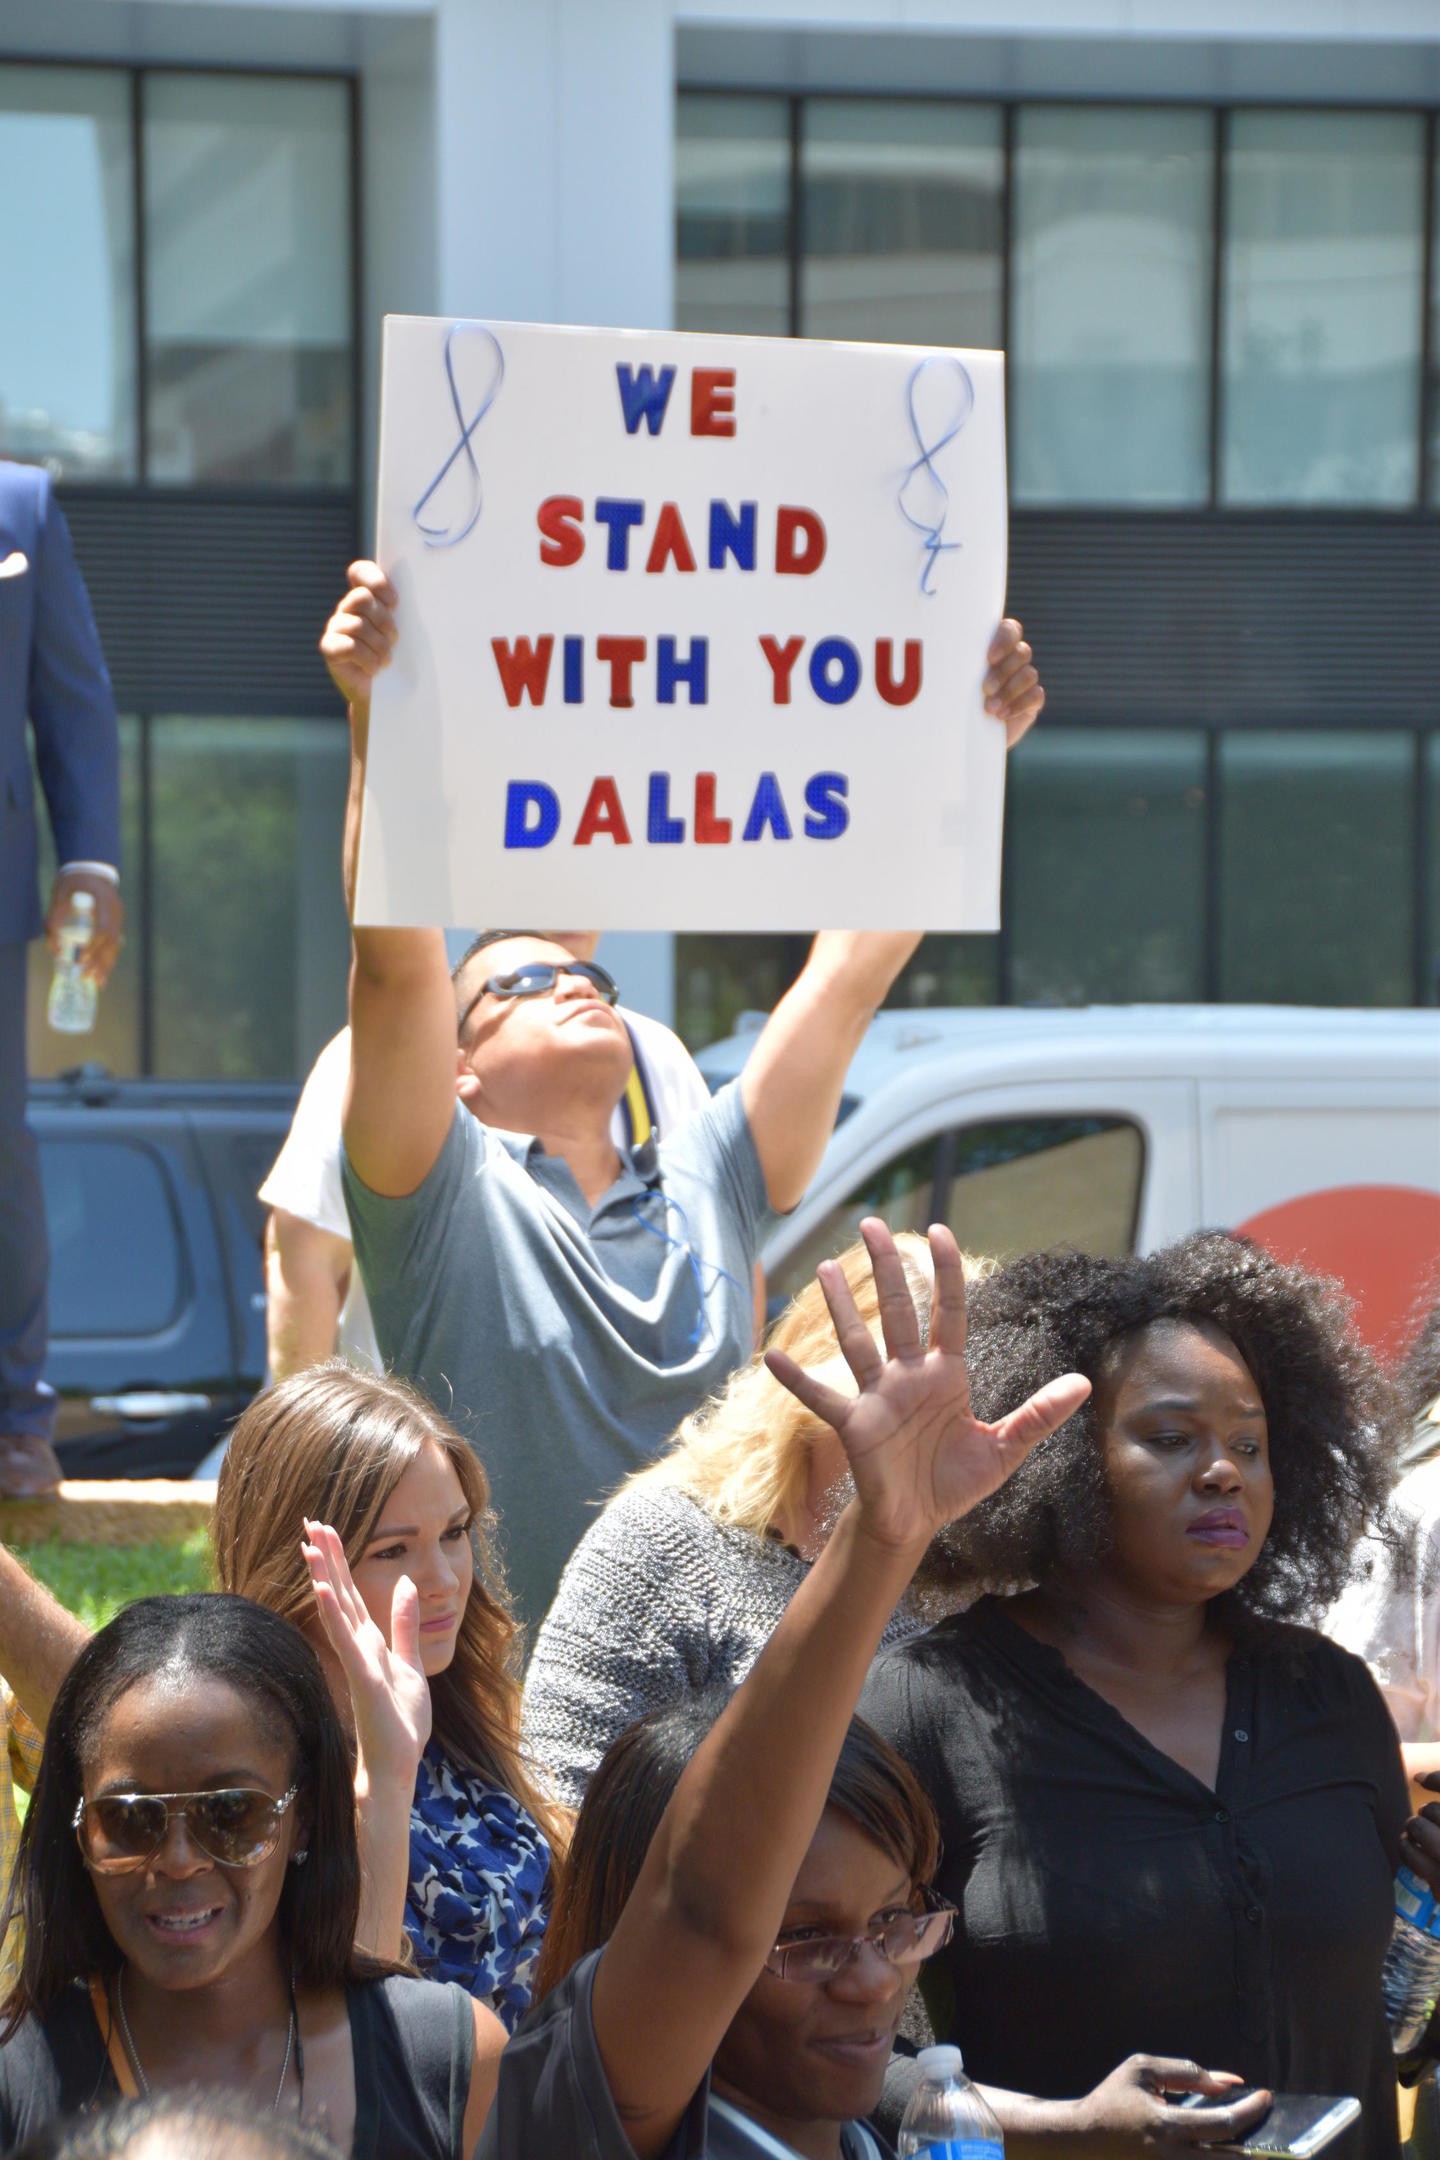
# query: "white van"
{"points": [[1118, 1128]]}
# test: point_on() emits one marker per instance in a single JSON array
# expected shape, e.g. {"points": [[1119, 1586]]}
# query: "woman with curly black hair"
{"points": [[1171, 1812]]}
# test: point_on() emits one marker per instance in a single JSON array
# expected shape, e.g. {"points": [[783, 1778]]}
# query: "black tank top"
{"points": [[413, 2042]]}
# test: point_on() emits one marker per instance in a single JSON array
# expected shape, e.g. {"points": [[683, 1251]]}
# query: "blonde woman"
{"points": [[349, 1506], [681, 1580]]}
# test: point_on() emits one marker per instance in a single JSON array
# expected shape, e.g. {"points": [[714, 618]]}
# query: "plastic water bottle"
{"points": [[73, 993], [947, 2117], [1410, 1982]]}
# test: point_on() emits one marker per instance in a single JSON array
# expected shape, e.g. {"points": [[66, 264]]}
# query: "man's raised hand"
{"points": [[357, 640], [918, 1456], [1013, 690]]}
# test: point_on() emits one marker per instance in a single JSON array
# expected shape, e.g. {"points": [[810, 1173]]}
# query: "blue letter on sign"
{"points": [[619, 515], [835, 652], [825, 794], [660, 828], [735, 534], [642, 397], [768, 808], [669, 670], [521, 797]]}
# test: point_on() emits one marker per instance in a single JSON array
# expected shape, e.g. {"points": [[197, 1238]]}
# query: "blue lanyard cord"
{"points": [[683, 1245]]}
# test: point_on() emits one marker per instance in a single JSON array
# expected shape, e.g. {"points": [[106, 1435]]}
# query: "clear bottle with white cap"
{"points": [[947, 2117], [73, 993]]}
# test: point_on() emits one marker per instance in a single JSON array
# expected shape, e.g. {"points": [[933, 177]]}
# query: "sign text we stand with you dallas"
{"points": [[692, 632]]}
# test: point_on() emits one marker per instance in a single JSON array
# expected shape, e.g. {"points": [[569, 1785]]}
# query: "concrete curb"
{"points": [[111, 1511]]}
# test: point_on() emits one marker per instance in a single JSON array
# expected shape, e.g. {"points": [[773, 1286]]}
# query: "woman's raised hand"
{"points": [[918, 1457], [388, 1688]]}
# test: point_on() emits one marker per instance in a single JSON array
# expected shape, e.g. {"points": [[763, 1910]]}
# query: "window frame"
{"points": [[140, 372], [1426, 503]]}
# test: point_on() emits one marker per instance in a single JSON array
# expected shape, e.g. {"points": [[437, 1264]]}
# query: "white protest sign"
{"points": [[692, 632]]}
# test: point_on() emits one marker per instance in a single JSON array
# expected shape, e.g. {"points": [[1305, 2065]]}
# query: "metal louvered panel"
{"points": [[1232, 618], [212, 603], [209, 602]]}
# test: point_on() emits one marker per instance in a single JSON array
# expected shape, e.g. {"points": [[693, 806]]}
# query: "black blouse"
{"points": [[1112, 1903]]}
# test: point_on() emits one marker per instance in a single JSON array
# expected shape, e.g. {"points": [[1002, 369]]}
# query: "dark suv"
{"points": [[157, 1289]]}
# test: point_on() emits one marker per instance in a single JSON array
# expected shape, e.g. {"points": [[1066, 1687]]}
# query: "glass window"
{"points": [[1032, 1184], [902, 1191], [718, 978], [1430, 988], [251, 948], [115, 1265], [949, 970], [115, 1039], [732, 214], [67, 357], [1004, 1187], [247, 230], [1435, 329], [1105, 884], [900, 227], [1316, 883], [1110, 304], [1321, 307]]}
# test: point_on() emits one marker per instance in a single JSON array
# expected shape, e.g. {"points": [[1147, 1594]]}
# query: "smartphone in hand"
{"points": [[1297, 2126]]}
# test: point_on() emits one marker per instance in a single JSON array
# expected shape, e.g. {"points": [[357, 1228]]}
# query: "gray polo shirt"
{"points": [[566, 1342]]}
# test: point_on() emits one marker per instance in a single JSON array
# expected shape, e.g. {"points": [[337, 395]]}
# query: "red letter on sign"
{"points": [[559, 520], [710, 831], [791, 527], [602, 814], [622, 654], [902, 693], [782, 659], [525, 671], [712, 401], [670, 539]]}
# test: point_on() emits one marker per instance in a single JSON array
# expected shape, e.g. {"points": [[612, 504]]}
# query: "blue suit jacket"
{"points": [[53, 671]]}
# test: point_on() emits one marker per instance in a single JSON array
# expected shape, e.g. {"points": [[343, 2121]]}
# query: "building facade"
{"points": [[1207, 237]]}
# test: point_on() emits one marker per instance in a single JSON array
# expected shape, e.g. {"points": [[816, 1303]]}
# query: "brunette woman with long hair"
{"points": [[349, 1505]]}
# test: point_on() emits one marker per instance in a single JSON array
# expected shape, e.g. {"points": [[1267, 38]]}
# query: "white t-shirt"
{"points": [[1397, 1632], [305, 1180]]}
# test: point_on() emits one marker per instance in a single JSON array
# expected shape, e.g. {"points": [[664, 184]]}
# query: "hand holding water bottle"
{"points": [[108, 912], [1411, 1979]]}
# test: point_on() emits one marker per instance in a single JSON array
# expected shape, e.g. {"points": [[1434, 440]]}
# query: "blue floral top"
{"points": [[477, 1906]]}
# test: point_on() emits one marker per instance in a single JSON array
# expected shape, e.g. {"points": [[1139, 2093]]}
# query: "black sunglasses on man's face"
{"points": [[537, 978]]}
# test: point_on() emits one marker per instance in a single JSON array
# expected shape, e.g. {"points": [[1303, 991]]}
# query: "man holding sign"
{"points": [[569, 1304]]}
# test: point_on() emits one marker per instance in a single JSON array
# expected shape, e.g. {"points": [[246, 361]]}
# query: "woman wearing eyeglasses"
{"points": [[746, 1901], [190, 1881]]}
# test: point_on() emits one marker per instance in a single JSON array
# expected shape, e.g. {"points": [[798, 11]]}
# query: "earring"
{"points": [[298, 1859]]}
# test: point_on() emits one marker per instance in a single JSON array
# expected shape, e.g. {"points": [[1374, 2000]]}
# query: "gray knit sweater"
{"points": [[658, 1601]]}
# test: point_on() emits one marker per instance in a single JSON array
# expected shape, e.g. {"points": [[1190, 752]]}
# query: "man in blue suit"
{"points": [[52, 672]]}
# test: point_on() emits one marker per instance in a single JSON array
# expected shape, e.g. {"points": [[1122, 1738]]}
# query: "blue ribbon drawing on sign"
{"points": [[442, 536], [932, 528]]}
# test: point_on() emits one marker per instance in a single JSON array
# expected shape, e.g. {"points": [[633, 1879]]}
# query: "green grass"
{"points": [[94, 1581]]}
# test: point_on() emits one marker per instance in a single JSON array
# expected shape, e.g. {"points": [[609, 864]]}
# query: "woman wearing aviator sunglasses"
{"points": [[190, 1881]]}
